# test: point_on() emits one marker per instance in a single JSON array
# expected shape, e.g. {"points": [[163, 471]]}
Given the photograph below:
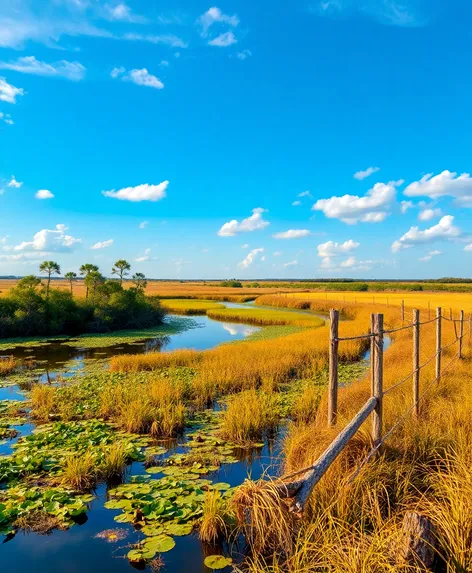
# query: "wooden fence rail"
{"points": [[302, 487]]}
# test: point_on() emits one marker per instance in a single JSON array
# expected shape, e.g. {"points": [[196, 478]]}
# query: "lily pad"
{"points": [[159, 544], [217, 561]]}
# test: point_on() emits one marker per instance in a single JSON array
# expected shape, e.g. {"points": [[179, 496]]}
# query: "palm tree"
{"points": [[139, 281], [85, 270], [121, 268], [51, 268], [93, 280], [71, 277]]}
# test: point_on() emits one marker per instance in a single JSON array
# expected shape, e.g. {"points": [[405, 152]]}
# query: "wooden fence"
{"points": [[307, 478]]}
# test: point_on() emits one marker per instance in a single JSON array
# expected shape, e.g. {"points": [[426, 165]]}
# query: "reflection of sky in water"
{"points": [[239, 329]]}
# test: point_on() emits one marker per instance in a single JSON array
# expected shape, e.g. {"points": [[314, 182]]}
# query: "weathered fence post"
{"points": [[461, 332], [438, 343], [333, 367], [416, 361], [372, 352], [403, 310], [377, 365]]}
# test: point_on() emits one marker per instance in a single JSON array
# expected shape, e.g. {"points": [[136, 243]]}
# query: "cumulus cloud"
{"points": [[6, 117], [360, 175], [30, 65], [468, 247], [292, 234], [144, 192], [122, 13], [444, 230], [139, 77], [14, 183], [296, 203], [44, 194], [427, 214], [333, 249], [223, 40], [49, 241], [143, 224], [429, 256], [213, 16], [371, 208], [277, 253], [446, 184], [251, 258], [9, 92], [245, 246], [253, 223], [102, 244], [405, 205]]}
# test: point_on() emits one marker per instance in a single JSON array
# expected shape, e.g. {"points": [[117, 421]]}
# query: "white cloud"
{"points": [[333, 249], [292, 234], [9, 92], [428, 214], [245, 246], [468, 247], [143, 224], [371, 208], [244, 55], [30, 65], [29, 257], [444, 230], [164, 64], [146, 257], [253, 223], [405, 205], [277, 253], [6, 117], [140, 77], [350, 262], [251, 258], [122, 13], [305, 194], [429, 256], [360, 175], [223, 40], [166, 39], [102, 244], [446, 184], [291, 264], [49, 241], [44, 194], [387, 12], [14, 183], [296, 203], [144, 192], [215, 15]]}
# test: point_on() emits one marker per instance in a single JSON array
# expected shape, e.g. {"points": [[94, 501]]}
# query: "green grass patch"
{"points": [[189, 307], [266, 317]]}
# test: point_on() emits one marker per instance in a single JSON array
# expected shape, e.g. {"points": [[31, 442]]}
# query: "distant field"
{"points": [[421, 300]]}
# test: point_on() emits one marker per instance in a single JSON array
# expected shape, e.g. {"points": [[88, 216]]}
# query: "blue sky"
{"points": [[251, 139]]}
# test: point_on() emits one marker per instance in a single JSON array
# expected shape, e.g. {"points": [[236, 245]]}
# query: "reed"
{"points": [[190, 306], [215, 523], [42, 402], [7, 365], [265, 317]]}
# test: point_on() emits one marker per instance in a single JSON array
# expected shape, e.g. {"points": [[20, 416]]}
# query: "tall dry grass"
{"points": [[425, 466], [7, 365]]}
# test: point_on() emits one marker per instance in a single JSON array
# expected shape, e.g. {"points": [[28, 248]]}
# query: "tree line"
{"points": [[92, 275], [32, 308]]}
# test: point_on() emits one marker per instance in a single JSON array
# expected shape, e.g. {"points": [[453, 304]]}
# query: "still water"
{"points": [[78, 550]]}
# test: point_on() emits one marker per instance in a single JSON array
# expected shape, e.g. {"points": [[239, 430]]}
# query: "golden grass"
{"points": [[214, 523], [266, 362], [79, 472], [190, 306], [265, 317], [42, 402], [7, 365], [425, 466], [249, 416]]}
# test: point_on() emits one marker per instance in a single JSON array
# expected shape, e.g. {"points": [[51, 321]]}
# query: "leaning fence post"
{"points": [[333, 367], [416, 361], [438, 344], [461, 332], [403, 310], [377, 364]]}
